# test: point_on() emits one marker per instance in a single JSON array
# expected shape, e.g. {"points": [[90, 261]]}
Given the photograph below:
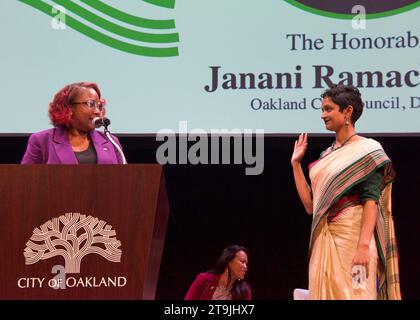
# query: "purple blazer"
{"points": [[52, 146], [204, 286]]}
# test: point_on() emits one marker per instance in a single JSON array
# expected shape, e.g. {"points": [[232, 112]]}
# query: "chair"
{"points": [[300, 294]]}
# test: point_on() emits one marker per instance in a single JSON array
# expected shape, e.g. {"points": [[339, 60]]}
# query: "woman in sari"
{"points": [[350, 199]]}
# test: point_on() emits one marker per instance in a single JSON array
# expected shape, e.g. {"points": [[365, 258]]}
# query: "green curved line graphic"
{"points": [[128, 18], [351, 16], [104, 39], [162, 3], [114, 28]]}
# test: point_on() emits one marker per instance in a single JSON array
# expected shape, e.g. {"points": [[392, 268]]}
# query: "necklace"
{"points": [[345, 141]]}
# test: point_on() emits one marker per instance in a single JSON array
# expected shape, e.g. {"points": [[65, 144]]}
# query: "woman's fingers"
{"points": [[300, 146], [303, 139]]}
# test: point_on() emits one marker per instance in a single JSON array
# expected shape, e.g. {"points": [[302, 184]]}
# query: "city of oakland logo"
{"points": [[107, 24], [343, 9], [72, 236]]}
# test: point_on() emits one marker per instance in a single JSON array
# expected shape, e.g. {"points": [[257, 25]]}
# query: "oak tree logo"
{"points": [[72, 236], [343, 9]]}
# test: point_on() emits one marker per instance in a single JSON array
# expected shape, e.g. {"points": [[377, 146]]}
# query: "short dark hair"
{"points": [[344, 96]]}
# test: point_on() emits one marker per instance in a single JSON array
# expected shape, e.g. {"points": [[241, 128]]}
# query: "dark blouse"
{"points": [[87, 156], [368, 189]]}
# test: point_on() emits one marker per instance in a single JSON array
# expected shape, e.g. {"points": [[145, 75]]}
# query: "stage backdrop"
{"points": [[243, 64]]}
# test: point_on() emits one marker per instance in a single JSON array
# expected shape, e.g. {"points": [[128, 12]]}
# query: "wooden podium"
{"points": [[81, 231]]}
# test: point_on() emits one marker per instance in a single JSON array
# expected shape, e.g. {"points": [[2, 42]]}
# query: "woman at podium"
{"points": [[73, 140], [226, 280]]}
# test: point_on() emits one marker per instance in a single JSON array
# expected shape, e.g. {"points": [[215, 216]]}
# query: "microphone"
{"points": [[99, 122], [105, 122]]}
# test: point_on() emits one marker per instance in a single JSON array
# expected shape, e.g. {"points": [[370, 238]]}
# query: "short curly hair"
{"points": [[344, 96], [59, 109]]}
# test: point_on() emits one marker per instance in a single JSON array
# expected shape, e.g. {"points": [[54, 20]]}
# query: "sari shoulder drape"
{"points": [[340, 170]]}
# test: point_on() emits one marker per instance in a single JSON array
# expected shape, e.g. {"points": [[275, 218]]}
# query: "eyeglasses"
{"points": [[92, 104]]}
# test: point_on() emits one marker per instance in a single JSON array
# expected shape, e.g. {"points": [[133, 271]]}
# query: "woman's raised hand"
{"points": [[300, 148]]}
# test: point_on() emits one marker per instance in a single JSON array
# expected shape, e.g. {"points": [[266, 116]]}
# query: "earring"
{"points": [[347, 122]]}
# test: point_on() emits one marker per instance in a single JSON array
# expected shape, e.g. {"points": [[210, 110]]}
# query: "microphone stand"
{"points": [[108, 134]]}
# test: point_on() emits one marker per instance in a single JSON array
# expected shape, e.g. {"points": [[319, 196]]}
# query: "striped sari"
{"points": [[337, 221]]}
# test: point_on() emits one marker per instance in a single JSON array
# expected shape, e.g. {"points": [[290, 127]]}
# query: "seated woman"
{"points": [[73, 139], [226, 280]]}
